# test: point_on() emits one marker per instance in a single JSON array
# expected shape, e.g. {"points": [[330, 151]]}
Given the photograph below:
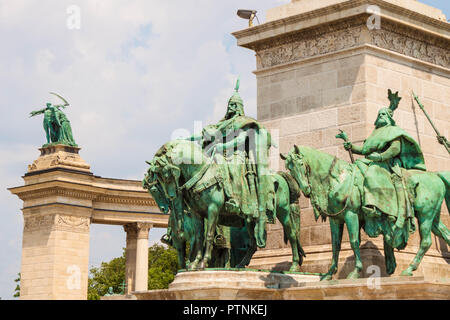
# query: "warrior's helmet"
{"points": [[235, 103], [387, 114]]}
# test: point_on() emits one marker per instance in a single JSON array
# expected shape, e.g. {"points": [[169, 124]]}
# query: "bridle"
{"points": [[313, 199]]}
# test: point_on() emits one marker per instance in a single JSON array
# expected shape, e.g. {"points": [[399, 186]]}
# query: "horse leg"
{"points": [[389, 258], [195, 254], [251, 247], [336, 239], [213, 217], [439, 229], [352, 222], [289, 233], [425, 224], [180, 246]]}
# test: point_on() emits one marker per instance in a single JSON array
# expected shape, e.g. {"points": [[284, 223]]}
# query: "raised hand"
{"points": [[348, 145]]}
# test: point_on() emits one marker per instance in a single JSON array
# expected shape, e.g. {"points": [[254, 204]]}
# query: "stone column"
{"points": [[130, 257], [55, 254], [142, 256], [136, 270], [57, 215]]}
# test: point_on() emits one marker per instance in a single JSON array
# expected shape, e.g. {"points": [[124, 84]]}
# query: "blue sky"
{"points": [[134, 73]]}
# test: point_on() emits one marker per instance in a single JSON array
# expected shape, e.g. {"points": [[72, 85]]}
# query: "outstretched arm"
{"points": [[350, 146], [357, 149], [34, 113]]}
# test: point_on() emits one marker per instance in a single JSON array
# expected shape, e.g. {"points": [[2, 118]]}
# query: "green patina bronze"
{"points": [[221, 177], [56, 125], [381, 193]]}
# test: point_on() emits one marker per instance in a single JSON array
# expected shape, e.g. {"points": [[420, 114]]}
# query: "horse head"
{"points": [[152, 184], [296, 164]]}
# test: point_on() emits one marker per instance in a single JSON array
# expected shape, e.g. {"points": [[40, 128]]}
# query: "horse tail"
{"points": [[445, 177], [294, 208]]}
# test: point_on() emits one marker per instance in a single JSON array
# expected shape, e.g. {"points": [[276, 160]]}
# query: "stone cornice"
{"points": [[261, 35], [86, 191]]}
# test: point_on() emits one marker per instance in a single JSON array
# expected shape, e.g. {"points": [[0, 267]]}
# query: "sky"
{"points": [[136, 73]]}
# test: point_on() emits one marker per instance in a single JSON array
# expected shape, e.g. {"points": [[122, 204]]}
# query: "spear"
{"points": [[342, 135], [442, 140]]}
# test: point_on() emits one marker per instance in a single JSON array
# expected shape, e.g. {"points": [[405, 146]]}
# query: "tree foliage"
{"points": [[17, 289], [162, 263]]}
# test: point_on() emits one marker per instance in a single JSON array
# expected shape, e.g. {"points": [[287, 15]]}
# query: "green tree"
{"points": [[162, 266], [162, 263], [17, 289]]}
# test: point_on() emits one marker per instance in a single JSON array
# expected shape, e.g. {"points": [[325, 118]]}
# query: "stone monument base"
{"points": [[262, 285]]}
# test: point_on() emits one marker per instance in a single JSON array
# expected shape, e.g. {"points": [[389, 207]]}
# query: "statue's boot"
{"points": [[260, 231], [371, 211], [231, 204]]}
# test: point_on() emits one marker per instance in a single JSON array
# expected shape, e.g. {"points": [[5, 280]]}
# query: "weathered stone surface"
{"points": [[61, 200], [270, 286], [362, 64]]}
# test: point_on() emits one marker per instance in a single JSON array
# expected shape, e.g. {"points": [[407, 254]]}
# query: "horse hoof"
{"points": [[353, 275], [407, 273], [326, 277], [193, 267], [294, 268]]}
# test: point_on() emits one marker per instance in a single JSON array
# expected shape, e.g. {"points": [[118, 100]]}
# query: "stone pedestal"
{"points": [[61, 198], [327, 65], [249, 285], [55, 245]]}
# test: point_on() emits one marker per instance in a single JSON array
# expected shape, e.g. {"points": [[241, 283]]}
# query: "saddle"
{"points": [[400, 200]]}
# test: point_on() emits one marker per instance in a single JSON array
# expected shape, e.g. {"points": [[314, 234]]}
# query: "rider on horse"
{"points": [[388, 149], [240, 145]]}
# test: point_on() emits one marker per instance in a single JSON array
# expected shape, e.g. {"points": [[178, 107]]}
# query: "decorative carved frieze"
{"points": [[73, 223], [339, 36], [126, 200], [309, 47], [39, 222], [56, 222], [411, 47]]}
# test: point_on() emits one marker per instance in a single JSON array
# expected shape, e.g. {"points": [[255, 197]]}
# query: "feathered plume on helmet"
{"points": [[394, 99], [237, 100], [236, 97]]}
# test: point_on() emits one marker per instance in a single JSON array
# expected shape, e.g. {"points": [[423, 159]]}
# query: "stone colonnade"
{"points": [[62, 198]]}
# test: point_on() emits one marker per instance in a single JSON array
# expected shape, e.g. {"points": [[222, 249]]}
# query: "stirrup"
{"points": [[232, 206], [371, 211]]}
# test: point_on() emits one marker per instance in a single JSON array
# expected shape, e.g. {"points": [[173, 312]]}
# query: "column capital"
{"points": [[138, 230]]}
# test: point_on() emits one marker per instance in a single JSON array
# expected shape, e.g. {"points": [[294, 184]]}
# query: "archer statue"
{"points": [[56, 125]]}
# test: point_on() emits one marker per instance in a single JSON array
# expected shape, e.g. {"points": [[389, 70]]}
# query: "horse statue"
{"points": [[190, 180], [335, 189], [179, 232], [191, 230]]}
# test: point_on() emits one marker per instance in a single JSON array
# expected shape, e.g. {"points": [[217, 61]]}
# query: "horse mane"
{"points": [[316, 157]]}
